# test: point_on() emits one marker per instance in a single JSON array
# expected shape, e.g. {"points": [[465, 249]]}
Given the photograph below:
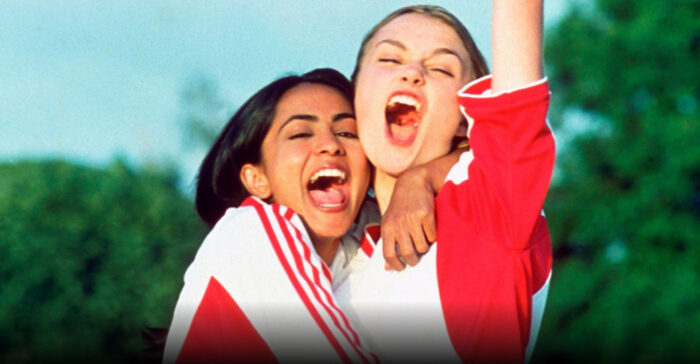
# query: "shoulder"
{"points": [[476, 97], [232, 238], [253, 224], [239, 222]]}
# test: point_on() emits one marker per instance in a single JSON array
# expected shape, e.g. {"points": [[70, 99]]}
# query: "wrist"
{"points": [[421, 176]]}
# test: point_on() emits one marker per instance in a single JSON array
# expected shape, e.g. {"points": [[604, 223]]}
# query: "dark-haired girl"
{"points": [[281, 185]]}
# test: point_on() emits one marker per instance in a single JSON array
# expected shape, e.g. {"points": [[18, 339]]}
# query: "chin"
{"points": [[393, 163], [331, 229]]}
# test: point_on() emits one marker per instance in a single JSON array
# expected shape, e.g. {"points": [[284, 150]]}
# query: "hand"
{"points": [[408, 224]]}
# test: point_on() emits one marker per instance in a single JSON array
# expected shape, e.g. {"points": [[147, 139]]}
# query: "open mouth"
{"points": [[403, 118], [328, 189]]}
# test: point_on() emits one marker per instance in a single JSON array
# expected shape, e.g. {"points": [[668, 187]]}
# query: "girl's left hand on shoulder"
{"points": [[408, 224]]}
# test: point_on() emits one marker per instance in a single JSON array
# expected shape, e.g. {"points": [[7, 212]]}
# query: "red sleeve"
{"points": [[494, 249], [513, 152]]}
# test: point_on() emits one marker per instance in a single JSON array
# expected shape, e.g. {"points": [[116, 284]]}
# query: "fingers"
{"points": [[404, 244], [408, 252], [430, 228], [408, 228], [405, 249], [412, 245], [389, 250]]}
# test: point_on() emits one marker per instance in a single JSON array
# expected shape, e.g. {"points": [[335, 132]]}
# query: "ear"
{"points": [[255, 181]]}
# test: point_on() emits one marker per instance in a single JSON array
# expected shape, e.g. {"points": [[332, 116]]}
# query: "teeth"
{"points": [[328, 173], [406, 100]]}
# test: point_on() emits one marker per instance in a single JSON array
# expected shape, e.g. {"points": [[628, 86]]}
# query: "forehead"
{"points": [[421, 32], [312, 98]]}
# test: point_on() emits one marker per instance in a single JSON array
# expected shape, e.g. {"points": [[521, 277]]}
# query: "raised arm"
{"points": [[513, 149], [516, 36], [494, 284]]}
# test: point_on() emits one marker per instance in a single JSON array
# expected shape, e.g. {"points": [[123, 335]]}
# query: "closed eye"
{"points": [[300, 135], [443, 71], [389, 60], [346, 134]]}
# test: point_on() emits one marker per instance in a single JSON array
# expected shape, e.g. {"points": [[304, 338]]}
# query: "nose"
{"points": [[329, 144], [413, 75]]}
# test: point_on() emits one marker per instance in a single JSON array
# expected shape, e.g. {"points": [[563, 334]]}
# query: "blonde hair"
{"points": [[478, 62]]}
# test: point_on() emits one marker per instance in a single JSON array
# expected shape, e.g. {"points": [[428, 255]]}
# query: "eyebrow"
{"points": [[446, 51], [395, 43], [343, 115], [314, 118], [401, 46]]}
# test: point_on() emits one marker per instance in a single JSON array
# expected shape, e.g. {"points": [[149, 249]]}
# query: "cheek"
{"points": [[445, 134], [362, 105], [360, 167], [287, 166], [444, 122], [371, 137], [370, 122], [360, 161], [368, 93], [364, 125], [448, 107]]}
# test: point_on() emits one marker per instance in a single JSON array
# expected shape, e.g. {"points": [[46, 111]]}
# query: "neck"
{"points": [[383, 189], [325, 247]]}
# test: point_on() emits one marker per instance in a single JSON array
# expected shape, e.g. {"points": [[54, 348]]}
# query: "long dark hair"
{"points": [[218, 183]]}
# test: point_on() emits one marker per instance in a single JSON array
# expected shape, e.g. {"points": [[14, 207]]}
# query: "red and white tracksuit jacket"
{"points": [[478, 294], [257, 291]]}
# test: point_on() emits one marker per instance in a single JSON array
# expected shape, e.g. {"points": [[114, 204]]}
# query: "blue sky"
{"points": [[90, 80]]}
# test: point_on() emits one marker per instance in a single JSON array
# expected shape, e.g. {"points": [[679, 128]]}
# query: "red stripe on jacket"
{"points": [[297, 285], [314, 287]]}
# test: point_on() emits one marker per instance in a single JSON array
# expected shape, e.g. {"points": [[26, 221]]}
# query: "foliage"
{"points": [[90, 256], [624, 210]]}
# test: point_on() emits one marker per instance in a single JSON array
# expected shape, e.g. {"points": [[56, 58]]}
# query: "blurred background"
{"points": [[106, 109]]}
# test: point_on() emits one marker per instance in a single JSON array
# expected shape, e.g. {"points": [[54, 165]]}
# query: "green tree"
{"points": [[624, 210], [89, 256]]}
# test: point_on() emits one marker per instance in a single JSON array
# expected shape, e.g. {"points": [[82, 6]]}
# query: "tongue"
{"points": [[330, 197], [401, 132], [406, 118], [402, 126]]}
